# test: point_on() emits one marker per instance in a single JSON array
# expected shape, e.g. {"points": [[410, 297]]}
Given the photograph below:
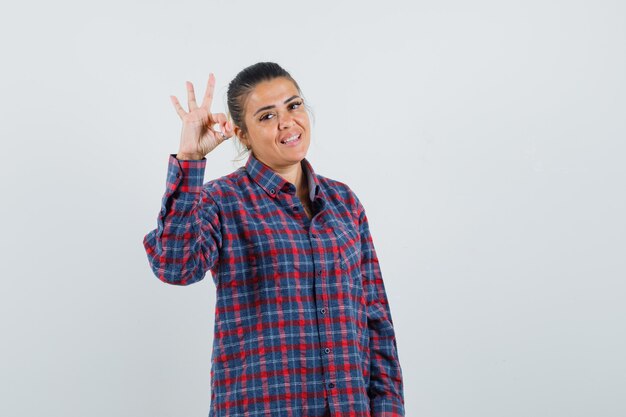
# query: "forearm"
{"points": [[185, 243]]}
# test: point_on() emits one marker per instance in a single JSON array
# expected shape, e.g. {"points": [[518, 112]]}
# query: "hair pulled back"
{"points": [[245, 81]]}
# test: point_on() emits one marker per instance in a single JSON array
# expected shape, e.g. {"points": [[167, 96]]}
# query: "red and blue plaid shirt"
{"points": [[302, 323]]}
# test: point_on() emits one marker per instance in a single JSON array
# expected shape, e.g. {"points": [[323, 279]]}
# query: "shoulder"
{"points": [[333, 186], [226, 184], [341, 192]]}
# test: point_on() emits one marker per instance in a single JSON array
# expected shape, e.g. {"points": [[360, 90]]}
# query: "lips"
{"points": [[291, 139]]}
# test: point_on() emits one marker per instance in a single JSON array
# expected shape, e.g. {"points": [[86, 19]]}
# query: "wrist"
{"points": [[189, 156]]}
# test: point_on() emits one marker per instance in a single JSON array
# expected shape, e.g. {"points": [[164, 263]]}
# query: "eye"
{"points": [[265, 117], [296, 104]]}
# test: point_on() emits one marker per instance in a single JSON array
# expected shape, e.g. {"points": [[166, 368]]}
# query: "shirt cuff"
{"points": [[185, 176], [387, 407]]}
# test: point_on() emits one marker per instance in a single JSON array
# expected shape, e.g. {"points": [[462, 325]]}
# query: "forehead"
{"points": [[272, 92]]}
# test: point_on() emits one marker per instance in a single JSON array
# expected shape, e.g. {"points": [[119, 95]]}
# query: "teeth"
{"points": [[291, 139]]}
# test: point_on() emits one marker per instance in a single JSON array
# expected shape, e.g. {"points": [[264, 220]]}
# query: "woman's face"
{"points": [[275, 113]]}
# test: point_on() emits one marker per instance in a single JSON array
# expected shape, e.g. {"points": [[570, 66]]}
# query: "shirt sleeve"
{"points": [[386, 390], [187, 239]]}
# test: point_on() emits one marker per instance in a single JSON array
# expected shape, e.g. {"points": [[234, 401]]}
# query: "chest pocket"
{"points": [[248, 265]]}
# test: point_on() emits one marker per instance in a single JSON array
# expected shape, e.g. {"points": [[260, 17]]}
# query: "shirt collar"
{"points": [[272, 183]]}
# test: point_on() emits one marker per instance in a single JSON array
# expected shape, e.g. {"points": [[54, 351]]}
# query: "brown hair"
{"points": [[242, 85]]}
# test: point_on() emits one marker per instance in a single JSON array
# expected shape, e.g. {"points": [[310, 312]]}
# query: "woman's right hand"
{"points": [[198, 137]]}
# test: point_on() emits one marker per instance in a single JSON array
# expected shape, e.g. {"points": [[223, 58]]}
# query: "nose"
{"points": [[285, 121]]}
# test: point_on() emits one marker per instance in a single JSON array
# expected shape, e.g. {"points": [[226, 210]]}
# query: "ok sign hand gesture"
{"points": [[198, 137]]}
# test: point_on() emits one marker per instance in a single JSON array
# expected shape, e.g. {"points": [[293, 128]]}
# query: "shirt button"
{"points": [[327, 350], [323, 311], [313, 235], [295, 208], [331, 385], [319, 272], [272, 191], [178, 175]]}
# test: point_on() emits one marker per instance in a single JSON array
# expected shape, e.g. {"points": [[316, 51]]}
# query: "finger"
{"points": [[221, 120], [191, 97], [179, 109], [208, 95]]}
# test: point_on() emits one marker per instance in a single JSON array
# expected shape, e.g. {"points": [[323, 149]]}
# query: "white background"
{"points": [[485, 139]]}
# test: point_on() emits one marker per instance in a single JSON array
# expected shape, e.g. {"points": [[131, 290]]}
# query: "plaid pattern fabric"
{"points": [[302, 323]]}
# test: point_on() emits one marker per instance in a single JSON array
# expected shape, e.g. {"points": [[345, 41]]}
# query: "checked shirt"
{"points": [[303, 326]]}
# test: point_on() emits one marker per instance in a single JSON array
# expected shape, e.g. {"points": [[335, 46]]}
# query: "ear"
{"points": [[242, 136]]}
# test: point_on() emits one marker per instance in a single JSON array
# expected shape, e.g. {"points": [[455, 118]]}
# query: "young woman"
{"points": [[303, 326]]}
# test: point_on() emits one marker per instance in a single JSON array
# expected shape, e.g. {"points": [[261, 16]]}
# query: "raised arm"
{"points": [[187, 239]]}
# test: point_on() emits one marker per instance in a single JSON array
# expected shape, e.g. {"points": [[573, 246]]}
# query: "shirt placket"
{"points": [[319, 241], [319, 245]]}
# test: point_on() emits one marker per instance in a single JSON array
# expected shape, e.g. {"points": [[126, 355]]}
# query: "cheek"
{"points": [[260, 131], [266, 135], [303, 119]]}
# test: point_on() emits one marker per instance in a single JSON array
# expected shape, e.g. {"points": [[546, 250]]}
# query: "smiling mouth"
{"points": [[291, 139]]}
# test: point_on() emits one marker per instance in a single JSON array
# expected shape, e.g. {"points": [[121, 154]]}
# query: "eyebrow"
{"points": [[272, 106]]}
